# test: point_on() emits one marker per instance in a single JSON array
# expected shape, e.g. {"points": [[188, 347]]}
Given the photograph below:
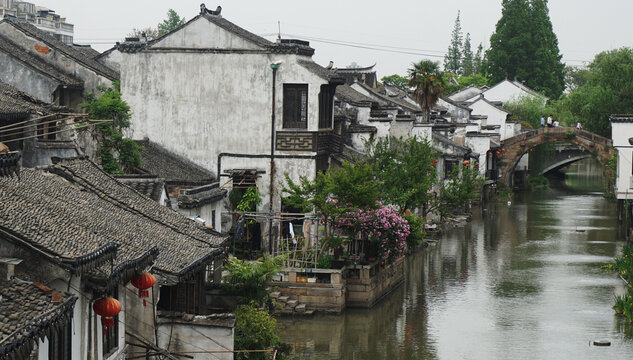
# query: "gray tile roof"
{"points": [[621, 118], [27, 314], [38, 64], [87, 50], [149, 185], [391, 99], [71, 52], [15, 103], [81, 217], [320, 71], [192, 198], [347, 94], [159, 161]]}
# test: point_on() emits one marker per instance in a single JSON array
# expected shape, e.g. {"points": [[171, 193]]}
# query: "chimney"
{"points": [[10, 263]]}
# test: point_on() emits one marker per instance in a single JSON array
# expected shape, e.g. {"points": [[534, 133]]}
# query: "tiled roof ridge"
{"points": [[70, 175], [77, 55], [77, 265], [397, 102], [124, 271]]}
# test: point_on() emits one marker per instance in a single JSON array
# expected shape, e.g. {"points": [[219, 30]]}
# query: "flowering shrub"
{"points": [[382, 225]]}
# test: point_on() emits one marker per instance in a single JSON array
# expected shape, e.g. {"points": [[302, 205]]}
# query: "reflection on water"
{"points": [[520, 281]]}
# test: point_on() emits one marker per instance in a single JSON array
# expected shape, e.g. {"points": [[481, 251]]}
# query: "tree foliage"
{"points": [[337, 191], [249, 279], [459, 190], [117, 154], [453, 57], [405, 170], [525, 47], [465, 81], [172, 22], [468, 66], [429, 83], [255, 329], [396, 80], [607, 89]]}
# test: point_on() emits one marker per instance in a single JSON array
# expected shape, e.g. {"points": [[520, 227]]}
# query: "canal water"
{"points": [[520, 281]]}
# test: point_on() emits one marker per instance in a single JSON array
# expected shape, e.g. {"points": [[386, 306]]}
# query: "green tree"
{"points": [[453, 57], [172, 22], [249, 279], [525, 47], [116, 153], [468, 66], [575, 77], [405, 170], [255, 329], [464, 81], [397, 81], [478, 60], [337, 191], [459, 190], [608, 90], [429, 83]]}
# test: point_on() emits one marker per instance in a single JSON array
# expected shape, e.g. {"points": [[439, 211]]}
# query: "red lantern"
{"points": [[497, 152], [107, 308], [466, 163], [143, 282]]}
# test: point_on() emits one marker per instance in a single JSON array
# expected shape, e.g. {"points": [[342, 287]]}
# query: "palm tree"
{"points": [[429, 83]]}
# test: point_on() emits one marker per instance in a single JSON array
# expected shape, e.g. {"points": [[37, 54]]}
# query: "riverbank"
{"points": [[512, 273]]}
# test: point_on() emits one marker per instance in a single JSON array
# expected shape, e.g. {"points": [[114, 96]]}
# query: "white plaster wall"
{"points": [[620, 134], [205, 212], [400, 129], [26, 79], [202, 33], [383, 128], [204, 104], [189, 337], [422, 131], [495, 115], [112, 60], [506, 91], [480, 145]]}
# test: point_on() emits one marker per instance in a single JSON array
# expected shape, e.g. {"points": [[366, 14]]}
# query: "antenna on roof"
{"points": [[279, 28]]}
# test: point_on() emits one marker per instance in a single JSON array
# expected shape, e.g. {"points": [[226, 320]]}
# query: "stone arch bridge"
{"points": [[515, 147]]}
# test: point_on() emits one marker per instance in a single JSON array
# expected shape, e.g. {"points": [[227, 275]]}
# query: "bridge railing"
{"points": [[559, 131]]}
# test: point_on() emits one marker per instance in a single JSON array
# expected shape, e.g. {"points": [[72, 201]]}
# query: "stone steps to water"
{"points": [[285, 305]]}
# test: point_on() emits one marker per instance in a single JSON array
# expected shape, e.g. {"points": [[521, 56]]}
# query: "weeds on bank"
{"points": [[623, 265]]}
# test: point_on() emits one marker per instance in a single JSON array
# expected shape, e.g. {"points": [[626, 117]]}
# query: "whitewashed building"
{"points": [[622, 137], [232, 102]]}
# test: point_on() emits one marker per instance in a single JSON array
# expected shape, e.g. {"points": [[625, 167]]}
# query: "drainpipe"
{"points": [[272, 161]]}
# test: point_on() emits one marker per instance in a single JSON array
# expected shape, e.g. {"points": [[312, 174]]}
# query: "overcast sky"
{"points": [[397, 32]]}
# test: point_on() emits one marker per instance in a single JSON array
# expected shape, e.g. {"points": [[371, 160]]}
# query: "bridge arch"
{"points": [[515, 147]]}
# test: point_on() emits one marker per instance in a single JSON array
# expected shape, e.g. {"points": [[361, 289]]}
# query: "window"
{"points": [[59, 344], [295, 106], [184, 297], [449, 166], [326, 104]]}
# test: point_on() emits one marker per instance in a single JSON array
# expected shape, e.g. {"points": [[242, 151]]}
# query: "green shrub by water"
{"points": [[623, 265]]}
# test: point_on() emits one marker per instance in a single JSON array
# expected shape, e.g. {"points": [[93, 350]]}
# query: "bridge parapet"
{"points": [[557, 132], [516, 146]]}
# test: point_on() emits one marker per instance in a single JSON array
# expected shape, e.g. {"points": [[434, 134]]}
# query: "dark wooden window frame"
{"points": [[60, 343], [295, 106]]}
